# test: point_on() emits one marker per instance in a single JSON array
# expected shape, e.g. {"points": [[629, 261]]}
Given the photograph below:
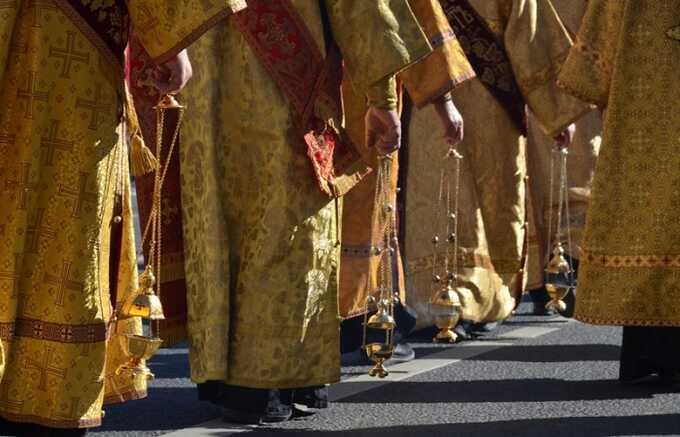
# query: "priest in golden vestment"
{"points": [[426, 82], [626, 59], [66, 234], [581, 160], [263, 162], [518, 46]]}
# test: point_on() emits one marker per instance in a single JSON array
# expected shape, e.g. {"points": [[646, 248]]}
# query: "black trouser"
{"points": [[352, 330], [649, 350]]}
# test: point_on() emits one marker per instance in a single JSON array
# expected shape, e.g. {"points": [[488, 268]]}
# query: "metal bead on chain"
{"points": [[386, 246], [445, 301]]}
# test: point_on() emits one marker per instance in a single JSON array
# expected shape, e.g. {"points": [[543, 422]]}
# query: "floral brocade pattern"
{"points": [[630, 274], [261, 248], [492, 213], [262, 241]]}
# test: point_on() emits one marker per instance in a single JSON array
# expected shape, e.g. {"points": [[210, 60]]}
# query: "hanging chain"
{"points": [[447, 210], [384, 224], [551, 200], [453, 215], [436, 279], [559, 159], [153, 227], [565, 193]]}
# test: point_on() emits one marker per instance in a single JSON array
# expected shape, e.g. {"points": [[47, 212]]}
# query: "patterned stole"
{"points": [[105, 24], [488, 58], [311, 83]]}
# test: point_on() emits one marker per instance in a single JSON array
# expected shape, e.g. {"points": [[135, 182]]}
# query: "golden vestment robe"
{"points": [[63, 179], [583, 153], [492, 215], [441, 71], [626, 58], [261, 239]]}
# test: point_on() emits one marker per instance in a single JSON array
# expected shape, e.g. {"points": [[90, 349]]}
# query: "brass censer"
{"points": [[384, 222], [445, 303], [145, 301], [559, 272]]}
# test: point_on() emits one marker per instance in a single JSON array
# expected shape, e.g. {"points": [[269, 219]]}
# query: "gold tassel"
{"points": [[142, 158]]}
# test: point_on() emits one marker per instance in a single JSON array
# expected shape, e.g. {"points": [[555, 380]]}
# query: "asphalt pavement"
{"points": [[535, 376]]}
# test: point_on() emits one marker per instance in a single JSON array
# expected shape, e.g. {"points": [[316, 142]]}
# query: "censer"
{"points": [[145, 301], [384, 222], [445, 303], [559, 272]]}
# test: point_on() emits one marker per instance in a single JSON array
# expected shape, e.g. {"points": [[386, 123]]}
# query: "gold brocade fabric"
{"points": [[359, 266], [63, 170], [431, 77], [626, 58], [492, 199], [261, 239], [167, 26], [581, 161], [63, 179]]}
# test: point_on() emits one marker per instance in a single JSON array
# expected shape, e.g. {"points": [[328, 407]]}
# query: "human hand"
{"points": [[452, 121], [173, 75], [383, 130]]}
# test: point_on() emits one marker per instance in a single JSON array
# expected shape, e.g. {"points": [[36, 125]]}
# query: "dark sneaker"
{"points": [[403, 353], [483, 328]]}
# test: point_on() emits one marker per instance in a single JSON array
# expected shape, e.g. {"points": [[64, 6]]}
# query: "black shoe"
{"points": [[651, 378], [669, 376], [403, 353], [279, 409], [312, 397]]}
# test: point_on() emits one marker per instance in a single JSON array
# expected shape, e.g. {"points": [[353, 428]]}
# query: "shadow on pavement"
{"points": [[652, 425], [562, 353], [166, 409], [505, 390], [553, 353]]}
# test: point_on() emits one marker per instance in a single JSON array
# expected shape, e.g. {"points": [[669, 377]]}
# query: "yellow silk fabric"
{"points": [[492, 187], [63, 166], [581, 161], [446, 67], [189, 18], [443, 69], [63, 178], [261, 240], [626, 57]]}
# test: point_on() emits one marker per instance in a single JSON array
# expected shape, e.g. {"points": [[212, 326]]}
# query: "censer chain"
{"points": [[153, 226]]}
